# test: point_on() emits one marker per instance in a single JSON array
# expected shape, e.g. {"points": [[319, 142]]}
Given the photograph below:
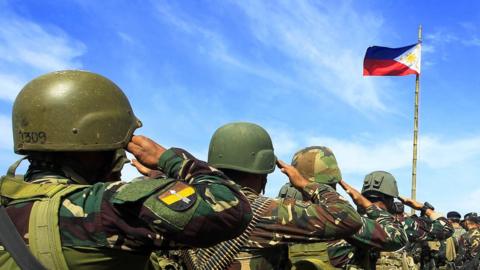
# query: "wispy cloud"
{"points": [[317, 54], [324, 57], [28, 49], [216, 45], [360, 156], [6, 141]]}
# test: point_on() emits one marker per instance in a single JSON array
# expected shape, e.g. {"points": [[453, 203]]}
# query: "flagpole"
{"points": [[415, 129]]}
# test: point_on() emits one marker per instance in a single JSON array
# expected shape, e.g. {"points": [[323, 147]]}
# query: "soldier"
{"points": [[417, 229], [448, 250], [379, 229], [469, 244], [425, 233], [72, 126], [399, 210], [454, 219], [244, 152]]}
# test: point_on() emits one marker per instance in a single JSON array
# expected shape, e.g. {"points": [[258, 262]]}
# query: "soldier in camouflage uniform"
{"points": [[379, 229], [469, 244], [72, 126], [434, 227], [448, 249], [454, 219], [244, 152], [424, 234]]}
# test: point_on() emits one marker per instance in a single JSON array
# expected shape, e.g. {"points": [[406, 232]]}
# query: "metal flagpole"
{"points": [[415, 130]]}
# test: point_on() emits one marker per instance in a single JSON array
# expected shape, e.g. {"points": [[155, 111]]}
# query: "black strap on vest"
{"points": [[14, 244]]}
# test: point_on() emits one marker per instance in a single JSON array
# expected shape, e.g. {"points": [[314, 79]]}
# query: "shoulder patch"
{"points": [[178, 197], [134, 191]]}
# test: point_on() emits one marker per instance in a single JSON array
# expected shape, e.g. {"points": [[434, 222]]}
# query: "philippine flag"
{"points": [[383, 61]]}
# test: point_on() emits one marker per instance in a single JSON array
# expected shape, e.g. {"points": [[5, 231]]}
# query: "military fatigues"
{"points": [[379, 231], [116, 225], [469, 247], [420, 231], [445, 251], [288, 221]]}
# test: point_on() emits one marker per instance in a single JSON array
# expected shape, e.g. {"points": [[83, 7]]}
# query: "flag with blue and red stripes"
{"points": [[383, 61]]}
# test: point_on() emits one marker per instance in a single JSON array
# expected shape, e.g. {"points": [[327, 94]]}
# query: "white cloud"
{"points": [[28, 49], [10, 85], [362, 156], [317, 54], [284, 144], [467, 203], [215, 45], [322, 55], [6, 141]]}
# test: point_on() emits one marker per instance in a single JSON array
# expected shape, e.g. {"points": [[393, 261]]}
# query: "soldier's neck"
{"points": [[253, 185]]}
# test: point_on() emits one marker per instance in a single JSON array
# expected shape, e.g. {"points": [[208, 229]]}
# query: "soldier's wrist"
{"points": [[314, 190], [169, 163]]}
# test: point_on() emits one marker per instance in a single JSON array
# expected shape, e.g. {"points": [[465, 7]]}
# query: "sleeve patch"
{"points": [[138, 190], [178, 197]]}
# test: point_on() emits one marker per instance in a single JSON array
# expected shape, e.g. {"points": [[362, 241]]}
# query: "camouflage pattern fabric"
{"points": [[469, 247], [195, 206], [328, 216], [420, 231], [379, 231], [459, 231], [317, 164], [425, 229]]}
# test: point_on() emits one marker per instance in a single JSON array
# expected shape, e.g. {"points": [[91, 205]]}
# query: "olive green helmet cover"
{"points": [[72, 111], [242, 146], [317, 164], [380, 182]]}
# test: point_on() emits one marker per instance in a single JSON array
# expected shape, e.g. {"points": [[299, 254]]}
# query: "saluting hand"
{"points": [[410, 202], [146, 151], [293, 174], [356, 196], [140, 167]]}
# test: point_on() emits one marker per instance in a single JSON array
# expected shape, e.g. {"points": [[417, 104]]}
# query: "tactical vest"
{"points": [[305, 256], [394, 260], [313, 256], [43, 231]]}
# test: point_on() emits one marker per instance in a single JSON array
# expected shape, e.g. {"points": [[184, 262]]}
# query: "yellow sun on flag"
{"points": [[411, 58]]}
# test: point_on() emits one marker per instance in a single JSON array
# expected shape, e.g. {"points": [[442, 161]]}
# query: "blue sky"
{"points": [[294, 67]]}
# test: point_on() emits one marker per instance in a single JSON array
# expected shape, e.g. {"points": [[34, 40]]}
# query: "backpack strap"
{"points": [[14, 244], [43, 230]]}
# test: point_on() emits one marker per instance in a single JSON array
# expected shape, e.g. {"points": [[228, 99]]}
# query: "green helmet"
{"points": [[317, 164], [72, 111], [380, 182], [241, 146]]}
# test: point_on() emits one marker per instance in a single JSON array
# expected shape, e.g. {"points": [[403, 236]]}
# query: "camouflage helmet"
{"points": [[380, 182], [72, 110], [242, 146], [317, 164]]}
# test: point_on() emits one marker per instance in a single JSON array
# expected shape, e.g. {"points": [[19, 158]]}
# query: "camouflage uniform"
{"points": [[421, 231], [469, 245], [379, 231], [128, 220], [324, 216], [114, 225]]}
